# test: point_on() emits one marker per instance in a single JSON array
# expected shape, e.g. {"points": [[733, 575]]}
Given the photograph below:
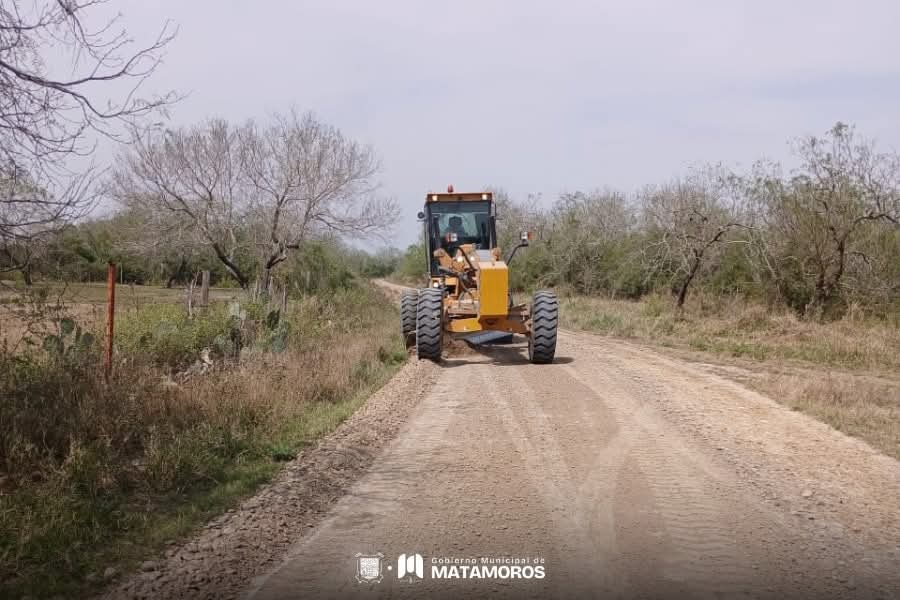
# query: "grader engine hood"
{"points": [[493, 288], [485, 276]]}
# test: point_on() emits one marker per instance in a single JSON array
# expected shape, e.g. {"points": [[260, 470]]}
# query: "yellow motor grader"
{"points": [[468, 289]]}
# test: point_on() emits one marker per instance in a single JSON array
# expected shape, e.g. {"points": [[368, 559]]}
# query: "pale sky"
{"points": [[539, 97]]}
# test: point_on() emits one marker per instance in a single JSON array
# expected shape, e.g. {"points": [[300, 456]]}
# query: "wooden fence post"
{"points": [[110, 316], [204, 289], [189, 296]]}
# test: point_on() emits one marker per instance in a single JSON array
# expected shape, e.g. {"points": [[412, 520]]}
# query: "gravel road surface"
{"points": [[621, 472]]}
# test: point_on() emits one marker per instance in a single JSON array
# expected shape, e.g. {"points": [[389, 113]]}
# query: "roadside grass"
{"points": [[96, 475], [733, 327], [845, 373], [857, 406]]}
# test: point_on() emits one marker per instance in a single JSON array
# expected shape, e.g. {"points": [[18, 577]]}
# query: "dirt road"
{"points": [[628, 473]]}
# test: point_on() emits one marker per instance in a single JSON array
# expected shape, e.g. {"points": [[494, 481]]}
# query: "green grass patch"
{"points": [[164, 334]]}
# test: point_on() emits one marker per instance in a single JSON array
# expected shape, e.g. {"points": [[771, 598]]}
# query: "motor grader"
{"points": [[468, 283]]}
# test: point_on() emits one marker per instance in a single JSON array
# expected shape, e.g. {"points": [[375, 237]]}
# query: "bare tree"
{"points": [[265, 188], [47, 116], [308, 178], [817, 220], [29, 213], [843, 186], [194, 174], [689, 220]]}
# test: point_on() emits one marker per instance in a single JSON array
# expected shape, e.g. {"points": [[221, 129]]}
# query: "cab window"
{"points": [[469, 221]]}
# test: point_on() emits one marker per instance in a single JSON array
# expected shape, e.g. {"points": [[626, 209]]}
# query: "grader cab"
{"points": [[468, 285]]}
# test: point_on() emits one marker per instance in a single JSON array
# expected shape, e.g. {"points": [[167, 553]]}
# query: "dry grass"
{"points": [[858, 406], [93, 474], [735, 328], [845, 373]]}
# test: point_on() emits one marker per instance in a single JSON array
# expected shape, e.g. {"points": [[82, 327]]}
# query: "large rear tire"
{"points": [[409, 300], [544, 323], [429, 324]]}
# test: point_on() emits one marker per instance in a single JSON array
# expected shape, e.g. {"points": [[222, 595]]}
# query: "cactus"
{"points": [[70, 343]]}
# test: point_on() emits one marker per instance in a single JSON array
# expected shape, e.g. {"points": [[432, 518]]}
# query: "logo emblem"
{"points": [[410, 565], [368, 567]]}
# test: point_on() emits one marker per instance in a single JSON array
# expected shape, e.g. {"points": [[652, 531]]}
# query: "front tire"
{"points": [[409, 301], [544, 324], [429, 324]]}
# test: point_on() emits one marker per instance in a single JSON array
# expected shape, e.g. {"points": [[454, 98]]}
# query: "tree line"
{"points": [[816, 238], [242, 199]]}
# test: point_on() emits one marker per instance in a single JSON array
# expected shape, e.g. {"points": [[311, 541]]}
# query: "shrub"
{"points": [[164, 334]]}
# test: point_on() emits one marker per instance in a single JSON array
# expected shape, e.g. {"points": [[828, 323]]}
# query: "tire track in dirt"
{"points": [[776, 457]]}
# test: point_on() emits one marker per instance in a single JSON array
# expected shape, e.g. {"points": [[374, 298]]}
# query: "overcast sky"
{"points": [[539, 97]]}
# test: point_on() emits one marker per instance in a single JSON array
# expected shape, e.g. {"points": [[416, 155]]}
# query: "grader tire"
{"points": [[429, 326], [408, 307], [544, 323]]}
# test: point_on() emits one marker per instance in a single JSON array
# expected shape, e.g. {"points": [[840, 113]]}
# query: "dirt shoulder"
{"points": [[844, 373]]}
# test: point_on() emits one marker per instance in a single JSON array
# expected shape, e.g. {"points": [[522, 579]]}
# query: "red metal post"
{"points": [[110, 315]]}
